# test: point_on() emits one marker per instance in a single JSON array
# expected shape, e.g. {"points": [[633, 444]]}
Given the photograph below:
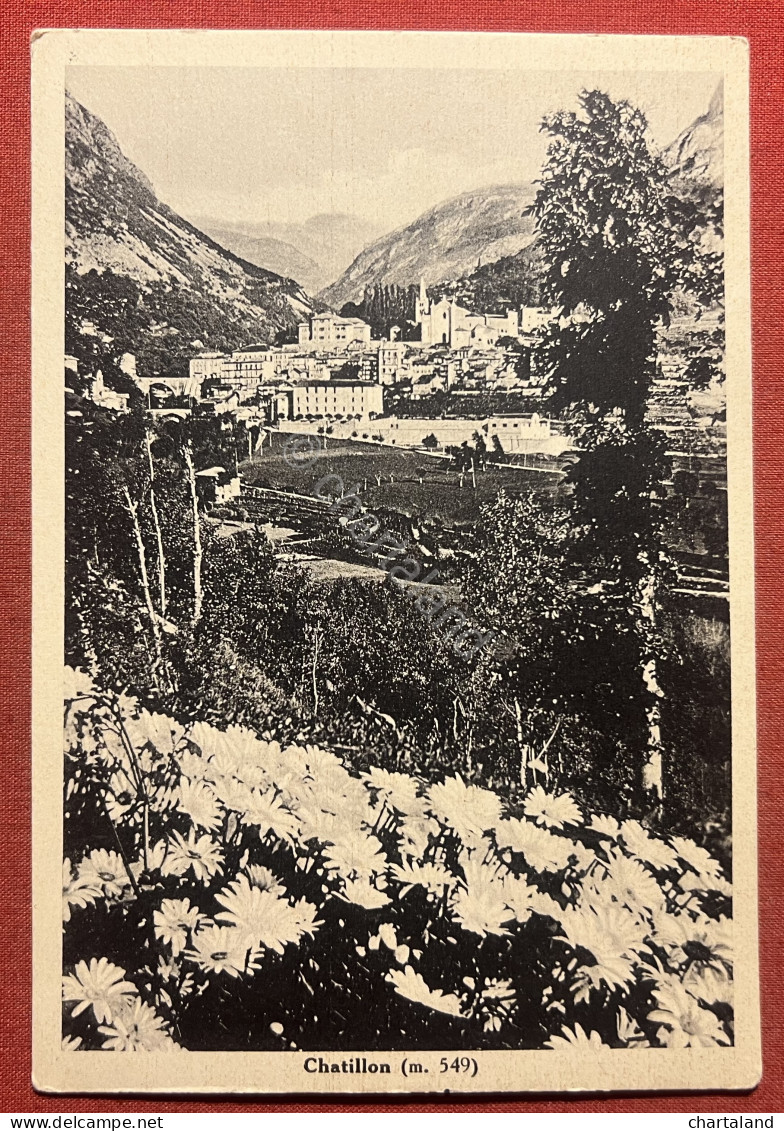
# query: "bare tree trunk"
{"points": [[133, 512], [197, 552], [521, 743], [313, 671], [157, 525], [652, 779]]}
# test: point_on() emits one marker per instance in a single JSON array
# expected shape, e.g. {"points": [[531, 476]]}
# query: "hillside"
{"points": [[314, 253], [142, 280], [270, 253], [697, 154], [446, 242]]}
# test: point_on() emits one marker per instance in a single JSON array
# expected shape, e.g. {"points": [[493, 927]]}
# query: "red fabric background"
{"points": [[761, 23]]}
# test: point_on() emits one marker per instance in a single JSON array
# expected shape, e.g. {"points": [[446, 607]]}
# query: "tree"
{"points": [[609, 227]]}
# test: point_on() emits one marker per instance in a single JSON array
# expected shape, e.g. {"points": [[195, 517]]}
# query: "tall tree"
{"points": [[608, 226]]}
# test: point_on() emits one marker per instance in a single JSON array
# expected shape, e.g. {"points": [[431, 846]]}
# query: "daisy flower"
{"points": [[77, 891], [647, 848], [550, 809], [135, 1027], [691, 882], [100, 986], [195, 767], [122, 795], [264, 879], [520, 897], [71, 1044], [317, 825], [607, 930], [356, 855], [105, 870], [154, 730], [413, 986], [199, 803], [76, 684], [696, 858], [541, 849], [400, 790], [218, 950], [577, 1037], [482, 909], [233, 794], [270, 815], [703, 943], [411, 873], [200, 855], [172, 923], [685, 1024], [606, 825], [259, 917], [316, 760], [613, 971], [467, 809], [709, 985], [631, 884], [213, 742], [362, 892], [414, 833]]}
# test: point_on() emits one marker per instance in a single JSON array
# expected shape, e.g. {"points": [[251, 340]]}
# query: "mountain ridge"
{"points": [[507, 273], [314, 252], [445, 241], [141, 279]]}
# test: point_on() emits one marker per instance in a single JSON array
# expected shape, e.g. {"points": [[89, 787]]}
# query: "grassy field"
{"points": [[411, 483]]}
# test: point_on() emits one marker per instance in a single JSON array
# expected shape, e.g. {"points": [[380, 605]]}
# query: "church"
{"points": [[446, 323]]}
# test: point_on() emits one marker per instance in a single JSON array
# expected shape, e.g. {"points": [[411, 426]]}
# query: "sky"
{"points": [[257, 145]]}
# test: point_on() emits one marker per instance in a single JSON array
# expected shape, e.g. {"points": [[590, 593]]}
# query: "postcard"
{"points": [[394, 710]]}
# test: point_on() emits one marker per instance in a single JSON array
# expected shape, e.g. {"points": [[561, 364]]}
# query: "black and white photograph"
{"points": [[394, 596]]}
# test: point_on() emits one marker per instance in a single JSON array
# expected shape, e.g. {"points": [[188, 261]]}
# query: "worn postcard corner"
{"points": [[393, 609]]}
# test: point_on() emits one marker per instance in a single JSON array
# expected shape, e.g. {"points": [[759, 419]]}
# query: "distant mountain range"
{"points": [[314, 252], [480, 247], [446, 242], [140, 279]]}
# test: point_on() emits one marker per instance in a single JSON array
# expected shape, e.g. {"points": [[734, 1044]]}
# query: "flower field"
{"points": [[223, 892]]}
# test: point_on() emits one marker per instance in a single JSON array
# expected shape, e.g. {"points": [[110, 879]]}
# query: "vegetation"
{"points": [[386, 305], [285, 795], [211, 875], [617, 247]]}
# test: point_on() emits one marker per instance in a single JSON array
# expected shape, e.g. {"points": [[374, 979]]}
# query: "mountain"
{"points": [[446, 242], [697, 154], [141, 279], [503, 284], [270, 253], [314, 252]]}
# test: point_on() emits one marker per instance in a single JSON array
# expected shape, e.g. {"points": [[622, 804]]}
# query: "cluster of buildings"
{"points": [[337, 369]]}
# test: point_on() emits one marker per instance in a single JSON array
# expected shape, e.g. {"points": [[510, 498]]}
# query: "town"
{"points": [[465, 391]]}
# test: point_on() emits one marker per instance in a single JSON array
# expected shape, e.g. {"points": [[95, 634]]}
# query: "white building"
{"points": [[333, 398], [332, 331], [106, 398], [391, 362]]}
